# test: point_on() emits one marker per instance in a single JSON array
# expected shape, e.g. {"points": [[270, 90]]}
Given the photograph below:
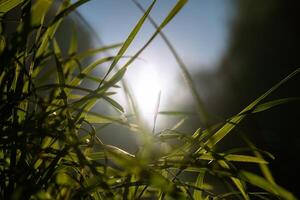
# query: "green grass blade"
{"points": [[199, 183], [179, 123], [73, 43], [114, 79], [236, 158], [268, 105], [170, 15], [266, 185], [2, 43], [156, 112], [7, 5], [87, 70], [57, 52], [237, 182], [222, 132], [263, 167], [129, 39], [49, 33], [91, 52], [114, 103], [38, 12], [176, 113], [67, 11], [178, 6], [101, 119]]}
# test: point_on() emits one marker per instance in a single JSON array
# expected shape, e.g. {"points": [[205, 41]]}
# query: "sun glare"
{"points": [[146, 85]]}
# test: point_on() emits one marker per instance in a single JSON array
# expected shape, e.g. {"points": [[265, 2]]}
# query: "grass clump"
{"points": [[49, 147]]}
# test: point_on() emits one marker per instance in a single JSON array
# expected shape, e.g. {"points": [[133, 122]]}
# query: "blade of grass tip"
{"points": [[156, 111], [73, 42], [202, 113], [114, 103], [128, 41], [271, 104], [179, 123], [263, 167], [178, 6], [237, 182], [223, 131], [57, 53], [235, 158], [67, 11], [91, 52], [267, 186]]}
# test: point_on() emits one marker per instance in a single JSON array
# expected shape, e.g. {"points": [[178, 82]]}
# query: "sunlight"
{"points": [[146, 86]]}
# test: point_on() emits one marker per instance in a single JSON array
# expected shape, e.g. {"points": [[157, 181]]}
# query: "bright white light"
{"points": [[146, 86]]}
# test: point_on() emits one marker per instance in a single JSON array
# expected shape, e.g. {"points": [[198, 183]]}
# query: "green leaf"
{"points": [[118, 151], [49, 34], [7, 5], [96, 79], [114, 79], [237, 182], [97, 156], [2, 43], [175, 113], [263, 167], [266, 185], [77, 80], [67, 11], [170, 15], [199, 183], [129, 39], [64, 179], [101, 119], [235, 158], [73, 42], [91, 52], [39, 11], [57, 52], [222, 132], [114, 103], [179, 123], [271, 104]]}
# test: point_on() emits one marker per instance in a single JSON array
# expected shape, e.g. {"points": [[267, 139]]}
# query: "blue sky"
{"points": [[199, 31]]}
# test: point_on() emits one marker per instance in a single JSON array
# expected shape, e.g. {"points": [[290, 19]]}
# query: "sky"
{"points": [[199, 32]]}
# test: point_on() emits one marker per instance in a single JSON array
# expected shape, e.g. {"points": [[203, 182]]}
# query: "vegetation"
{"points": [[49, 146]]}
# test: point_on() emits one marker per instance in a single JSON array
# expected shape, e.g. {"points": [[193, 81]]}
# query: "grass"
{"points": [[49, 143]]}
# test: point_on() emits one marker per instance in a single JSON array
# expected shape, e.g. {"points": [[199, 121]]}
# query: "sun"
{"points": [[146, 85]]}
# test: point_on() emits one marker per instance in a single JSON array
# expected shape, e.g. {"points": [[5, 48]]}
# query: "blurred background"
{"points": [[234, 49]]}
